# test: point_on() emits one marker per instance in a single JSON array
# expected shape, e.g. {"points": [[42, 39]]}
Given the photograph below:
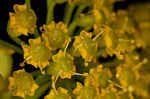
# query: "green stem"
{"points": [[68, 13], [73, 25], [40, 91], [17, 49], [79, 10], [36, 34], [50, 11], [88, 28], [35, 73], [16, 40], [42, 79], [28, 3]]}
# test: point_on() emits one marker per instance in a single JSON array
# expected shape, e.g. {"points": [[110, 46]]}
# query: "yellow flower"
{"points": [[23, 21], [97, 16], [122, 23], [55, 35], [141, 88], [99, 77], [127, 76], [109, 93], [22, 84], [86, 92], [86, 46], [60, 94], [62, 65], [36, 53]]}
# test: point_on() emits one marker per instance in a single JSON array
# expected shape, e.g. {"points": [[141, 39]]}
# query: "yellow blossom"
{"points": [[22, 84], [127, 76], [99, 77], [63, 65], [36, 53], [61, 93], [55, 35], [86, 46], [23, 21], [86, 92], [109, 93]]}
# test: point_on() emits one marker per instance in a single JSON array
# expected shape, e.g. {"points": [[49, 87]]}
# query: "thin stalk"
{"points": [[17, 49], [28, 3], [16, 39], [68, 13], [42, 79], [50, 11], [73, 25]]}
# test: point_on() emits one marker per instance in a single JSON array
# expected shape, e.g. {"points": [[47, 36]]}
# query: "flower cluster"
{"points": [[93, 53]]}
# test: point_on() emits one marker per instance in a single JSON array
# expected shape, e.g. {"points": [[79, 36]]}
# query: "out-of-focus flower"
{"points": [[22, 84], [5, 61], [36, 53], [23, 21], [127, 76], [122, 23], [99, 77], [86, 92], [62, 66], [86, 46], [109, 93], [55, 35], [61, 93]]}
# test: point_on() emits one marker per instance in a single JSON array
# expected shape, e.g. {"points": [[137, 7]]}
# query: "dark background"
{"points": [[39, 6]]}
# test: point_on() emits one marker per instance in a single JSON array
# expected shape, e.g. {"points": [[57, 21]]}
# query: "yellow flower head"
{"points": [[126, 76], [141, 88], [22, 84], [99, 77], [86, 46], [61, 94], [55, 35], [122, 23], [109, 93], [23, 21], [36, 53], [86, 92], [107, 34], [62, 65]]}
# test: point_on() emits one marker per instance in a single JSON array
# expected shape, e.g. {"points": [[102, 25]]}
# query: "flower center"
{"points": [[56, 39], [40, 52]]}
